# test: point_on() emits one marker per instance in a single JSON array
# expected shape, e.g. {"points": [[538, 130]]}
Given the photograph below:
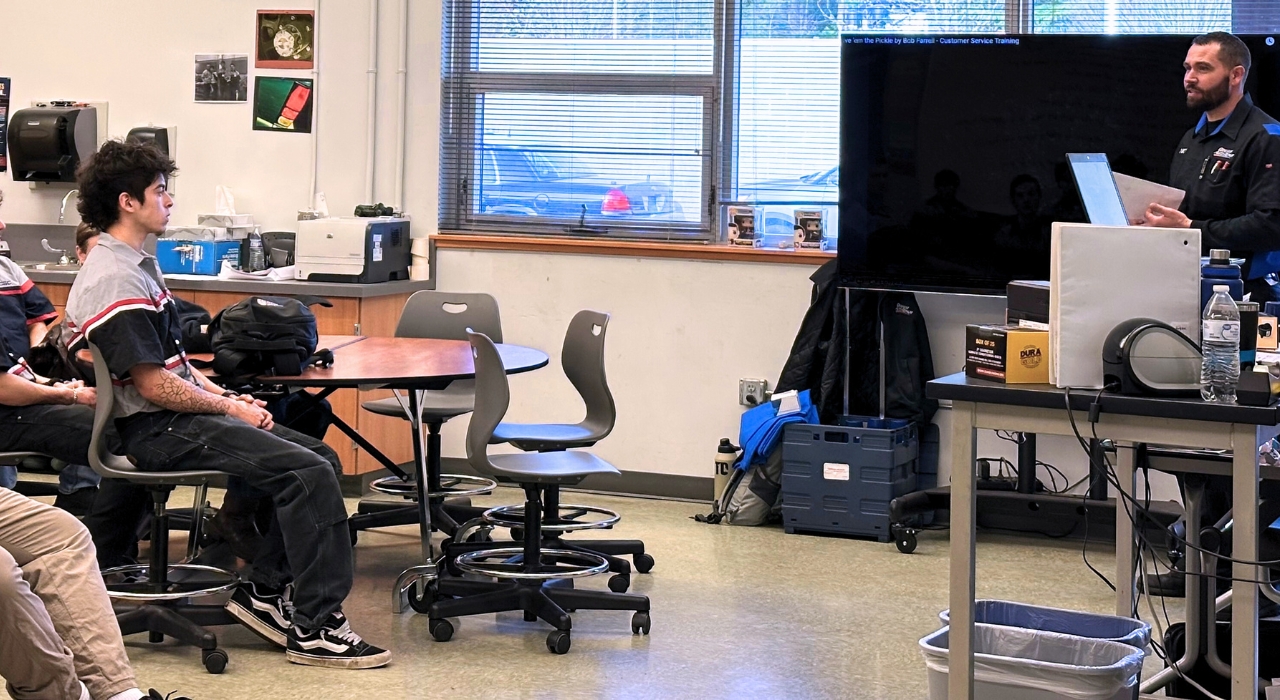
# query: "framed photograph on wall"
{"points": [[285, 39], [282, 104], [222, 77]]}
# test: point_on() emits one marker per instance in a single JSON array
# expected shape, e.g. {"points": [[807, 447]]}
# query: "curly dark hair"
{"points": [[118, 166]]}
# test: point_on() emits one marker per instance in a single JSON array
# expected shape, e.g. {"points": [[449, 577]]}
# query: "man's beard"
{"points": [[1210, 99]]}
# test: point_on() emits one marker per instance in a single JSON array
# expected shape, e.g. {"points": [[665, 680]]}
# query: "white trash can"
{"points": [[1019, 664]]}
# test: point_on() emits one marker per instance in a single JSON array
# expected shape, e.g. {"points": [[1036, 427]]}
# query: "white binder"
{"points": [[1102, 275]]}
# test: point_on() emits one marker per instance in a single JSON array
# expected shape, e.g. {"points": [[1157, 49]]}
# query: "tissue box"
{"points": [[195, 257], [196, 233], [1007, 354], [237, 225]]}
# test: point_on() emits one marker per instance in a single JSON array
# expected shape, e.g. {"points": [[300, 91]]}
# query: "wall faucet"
{"points": [[62, 211], [63, 259]]}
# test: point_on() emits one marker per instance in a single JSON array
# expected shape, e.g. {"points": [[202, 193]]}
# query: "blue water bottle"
{"points": [[1219, 270]]}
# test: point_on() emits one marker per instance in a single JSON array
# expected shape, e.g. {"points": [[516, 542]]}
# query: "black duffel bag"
{"points": [[266, 336]]}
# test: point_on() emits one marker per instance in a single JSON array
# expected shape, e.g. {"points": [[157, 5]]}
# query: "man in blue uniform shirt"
{"points": [[1228, 164]]}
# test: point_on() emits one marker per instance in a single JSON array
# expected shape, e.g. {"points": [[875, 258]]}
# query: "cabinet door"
{"points": [[57, 294], [378, 318]]}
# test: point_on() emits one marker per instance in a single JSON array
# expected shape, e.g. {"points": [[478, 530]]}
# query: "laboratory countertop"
{"points": [[210, 283]]}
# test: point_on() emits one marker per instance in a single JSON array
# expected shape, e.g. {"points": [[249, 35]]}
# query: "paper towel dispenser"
{"points": [[161, 136], [47, 144]]}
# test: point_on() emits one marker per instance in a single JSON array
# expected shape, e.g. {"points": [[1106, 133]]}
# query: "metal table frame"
{"points": [[1241, 438]]}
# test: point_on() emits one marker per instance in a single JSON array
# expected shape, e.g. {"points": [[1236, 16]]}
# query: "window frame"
{"points": [[464, 87]]}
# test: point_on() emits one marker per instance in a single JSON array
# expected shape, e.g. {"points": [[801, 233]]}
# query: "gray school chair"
{"points": [[163, 608], [582, 359], [528, 578], [443, 316]]}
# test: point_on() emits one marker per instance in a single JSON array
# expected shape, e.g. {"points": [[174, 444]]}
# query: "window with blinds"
{"points": [[1131, 16], [646, 118], [787, 96], [579, 116]]}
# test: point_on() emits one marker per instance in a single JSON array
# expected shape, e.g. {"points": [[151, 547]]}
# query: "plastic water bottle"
{"points": [[1220, 346], [258, 257]]}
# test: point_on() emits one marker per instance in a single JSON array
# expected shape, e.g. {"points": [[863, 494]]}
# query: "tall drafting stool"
{"points": [[443, 316], [164, 608], [523, 578], [582, 358]]}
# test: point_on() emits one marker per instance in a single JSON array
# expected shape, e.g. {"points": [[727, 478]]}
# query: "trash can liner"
{"points": [[1022, 664], [1082, 624]]}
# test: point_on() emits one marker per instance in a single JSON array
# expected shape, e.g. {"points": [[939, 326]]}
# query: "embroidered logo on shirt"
{"points": [[1224, 153], [903, 309], [1180, 152]]}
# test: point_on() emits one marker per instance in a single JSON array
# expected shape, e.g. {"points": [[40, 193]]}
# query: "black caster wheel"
{"points": [[558, 642], [517, 534], [355, 535], [640, 623], [215, 660], [906, 542], [445, 544], [441, 630], [429, 596], [619, 583], [643, 562]]}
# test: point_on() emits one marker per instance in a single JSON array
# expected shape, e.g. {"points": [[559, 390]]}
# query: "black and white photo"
{"points": [[222, 77]]}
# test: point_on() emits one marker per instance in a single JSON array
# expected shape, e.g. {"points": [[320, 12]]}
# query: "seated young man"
{"points": [[170, 417], [58, 634], [25, 315]]}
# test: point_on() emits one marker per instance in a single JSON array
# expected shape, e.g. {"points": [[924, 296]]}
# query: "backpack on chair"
{"points": [[265, 335]]}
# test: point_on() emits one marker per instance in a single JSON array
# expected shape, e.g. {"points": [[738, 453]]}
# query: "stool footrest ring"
{"points": [[513, 516], [141, 591], [508, 563], [452, 485]]}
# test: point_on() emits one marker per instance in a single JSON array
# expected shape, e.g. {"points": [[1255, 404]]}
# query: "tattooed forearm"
{"points": [[167, 389]]}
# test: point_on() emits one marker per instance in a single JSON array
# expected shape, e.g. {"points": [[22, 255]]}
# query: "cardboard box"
{"points": [[1267, 332], [1007, 354]]}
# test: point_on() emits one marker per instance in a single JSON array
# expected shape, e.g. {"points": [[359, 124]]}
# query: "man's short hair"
{"points": [[119, 166], [1231, 51], [84, 232]]}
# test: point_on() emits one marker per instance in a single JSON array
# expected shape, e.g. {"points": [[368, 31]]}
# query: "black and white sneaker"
{"points": [[334, 645], [266, 614]]}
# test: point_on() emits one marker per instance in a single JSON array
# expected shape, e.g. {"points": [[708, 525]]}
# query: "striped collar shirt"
{"points": [[120, 303]]}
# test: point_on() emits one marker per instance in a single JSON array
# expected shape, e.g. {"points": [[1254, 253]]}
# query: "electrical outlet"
{"points": [[753, 392]]}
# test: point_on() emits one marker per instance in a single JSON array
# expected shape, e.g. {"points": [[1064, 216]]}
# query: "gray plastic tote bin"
{"points": [[1112, 628], [1017, 664]]}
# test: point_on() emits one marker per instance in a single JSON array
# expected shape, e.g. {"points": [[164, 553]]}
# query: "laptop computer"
{"points": [[1098, 190]]}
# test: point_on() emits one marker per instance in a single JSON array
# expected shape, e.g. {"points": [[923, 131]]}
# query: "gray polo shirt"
{"points": [[120, 303]]}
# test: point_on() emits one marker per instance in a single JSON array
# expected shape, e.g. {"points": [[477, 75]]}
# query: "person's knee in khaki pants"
{"points": [[33, 658], [57, 627]]}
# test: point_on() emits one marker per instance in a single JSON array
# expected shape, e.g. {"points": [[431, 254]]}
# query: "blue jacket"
{"points": [[762, 426]]}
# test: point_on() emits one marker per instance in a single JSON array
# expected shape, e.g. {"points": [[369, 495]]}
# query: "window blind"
{"points": [[579, 117]]}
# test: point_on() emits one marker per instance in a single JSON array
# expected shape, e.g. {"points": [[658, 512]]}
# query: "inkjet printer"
{"points": [[353, 249]]}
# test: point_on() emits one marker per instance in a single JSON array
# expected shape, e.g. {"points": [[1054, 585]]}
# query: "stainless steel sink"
{"points": [[49, 267]]}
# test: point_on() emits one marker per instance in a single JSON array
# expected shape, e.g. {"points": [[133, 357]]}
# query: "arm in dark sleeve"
{"points": [[128, 338], [1259, 229], [37, 306]]}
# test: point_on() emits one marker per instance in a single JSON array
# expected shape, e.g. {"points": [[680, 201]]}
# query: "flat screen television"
{"points": [[953, 147]]}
